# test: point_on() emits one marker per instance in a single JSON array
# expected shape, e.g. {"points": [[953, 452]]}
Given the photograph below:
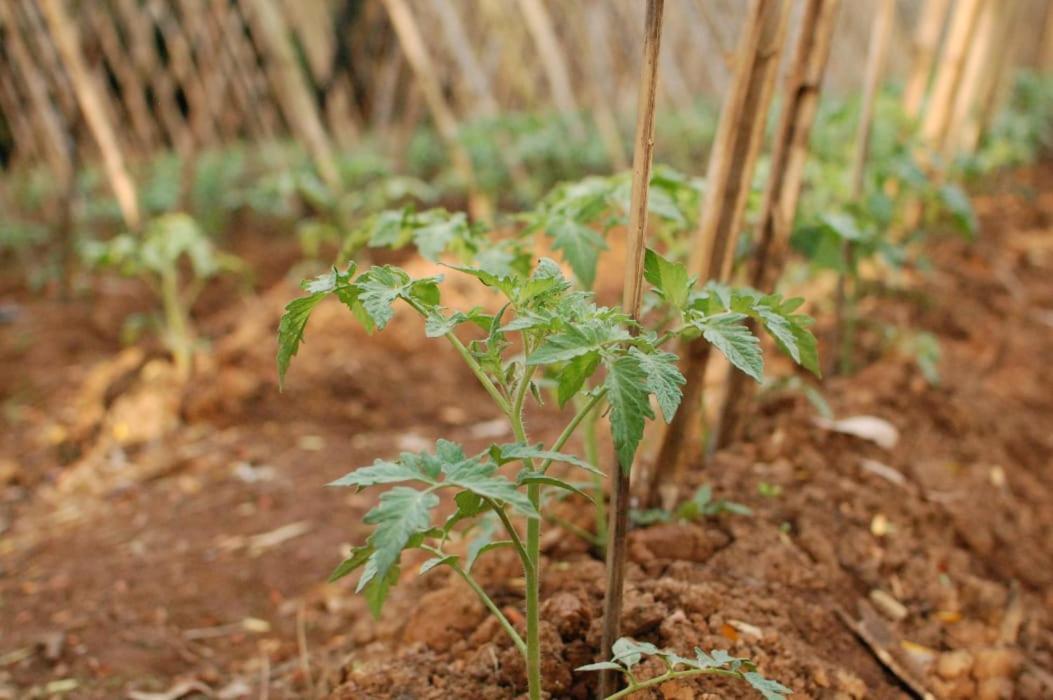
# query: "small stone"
{"points": [[996, 662], [995, 689], [954, 664], [889, 606]]}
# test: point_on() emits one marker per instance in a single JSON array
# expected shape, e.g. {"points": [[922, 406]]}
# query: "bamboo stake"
{"points": [[789, 153], [42, 48], [880, 37], [467, 61], [64, 33], [145, 61], [598, 84], [728, 180], [297, 102], [993, 93], [926, 43], [985, 67], [133, 94], [313, 25], [181, 64], [50, 129], [25, 142], [216, 77], [1045, 49], [963, 111], [959, 38], [417, 55], [240, 61], [643, 152], [539, 24]]}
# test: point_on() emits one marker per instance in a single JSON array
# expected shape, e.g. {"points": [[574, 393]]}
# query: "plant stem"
{"points": [[177, 325], [477, 370], [632, 294], [592, 456], [669, 676], [492, 607], [568, 431], [533, 547], [513, 534]]}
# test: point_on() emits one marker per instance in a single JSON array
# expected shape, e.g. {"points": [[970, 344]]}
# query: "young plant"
{"points": [[544, 324], [699, 506], [174, 259], [629, 653]]}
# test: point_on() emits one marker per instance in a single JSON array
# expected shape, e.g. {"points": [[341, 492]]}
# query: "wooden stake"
{"points": [[51, 131], [728, 181], [880, 37], [948, 75], [789, 154], [643, 151], [539, 24], [64, 33], [416, 53], [133, 95], [926, 43], [297, 102], [989, 53]]}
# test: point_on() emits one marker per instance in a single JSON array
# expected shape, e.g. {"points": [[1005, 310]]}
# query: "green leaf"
{"points": [[385, 472], [435, 236], [436, 561], [663, 379], [572, 377], [359, 556], [669, 278], [376, 590], [578, 339], [518, 451], [601, 666], [291, 329], [480, 478], [401, 513], [728, 334], [380, 287], [528, 477], [483, 543], [769, 689], [627, 392], [957, 203], [630, 652], [580, 245]]}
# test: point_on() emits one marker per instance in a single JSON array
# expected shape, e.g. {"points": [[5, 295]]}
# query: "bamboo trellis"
{"points": [[189, 75]]}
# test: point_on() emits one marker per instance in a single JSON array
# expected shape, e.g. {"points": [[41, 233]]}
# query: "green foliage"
{"points": [[174, 258], [700, 505], [628, 653]]}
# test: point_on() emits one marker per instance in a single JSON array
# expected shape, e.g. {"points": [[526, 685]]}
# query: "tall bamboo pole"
{"points": [[948, 76], [297, 102], [643, 151], [980, 69], [52, 134], [416, 53], [993, 93], [27, 146], [600, 93], [926, 43], [880, 37], [789, 154], [64, 33], [539, 24], [133, 94], [728, 180]]}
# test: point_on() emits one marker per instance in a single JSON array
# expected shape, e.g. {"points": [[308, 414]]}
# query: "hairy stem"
{"points": [[486, 599], [568, 431], [477, 370], [513, 534], [533, 548]]}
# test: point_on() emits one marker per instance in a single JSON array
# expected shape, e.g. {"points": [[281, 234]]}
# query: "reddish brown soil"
{"points": [[134, 566]]}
